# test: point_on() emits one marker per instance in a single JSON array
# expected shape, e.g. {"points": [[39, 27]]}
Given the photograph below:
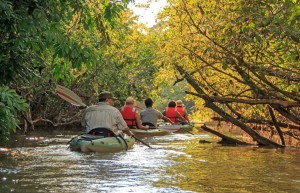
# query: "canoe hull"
{"points": [[177, 128], [101, 145], [149, 132], [185, 128], [162, 130]]}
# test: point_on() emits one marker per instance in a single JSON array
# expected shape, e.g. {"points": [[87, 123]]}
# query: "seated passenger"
{"points": [[172, 113], [131, 115], [182, 110], [105, 115], [149, 116]]}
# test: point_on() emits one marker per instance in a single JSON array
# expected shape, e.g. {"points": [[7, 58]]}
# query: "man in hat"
{"points": [[104, 115], [131, 115], [182, 110]]}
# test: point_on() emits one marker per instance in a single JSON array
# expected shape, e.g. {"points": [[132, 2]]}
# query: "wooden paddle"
{"points": [[74, 99]]}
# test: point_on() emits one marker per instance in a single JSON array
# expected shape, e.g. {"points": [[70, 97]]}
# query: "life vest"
{"points": [[171, 114], [181, 110], [128, 114]]}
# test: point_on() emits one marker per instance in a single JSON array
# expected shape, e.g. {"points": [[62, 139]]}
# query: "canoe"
{"points": [[149, 132], [159, 131], [162, 130], [170, 128], [100, 144], [185, 128]]}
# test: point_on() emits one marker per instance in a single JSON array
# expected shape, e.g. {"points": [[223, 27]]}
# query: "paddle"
{"points": [[74, 99], [69, 96], [141, 141], [187, 131]]}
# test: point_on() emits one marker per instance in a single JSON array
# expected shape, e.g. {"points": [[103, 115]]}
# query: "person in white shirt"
{"points": [[149, 116], [105, 115]]}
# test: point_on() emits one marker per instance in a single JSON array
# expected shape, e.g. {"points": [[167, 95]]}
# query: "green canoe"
{"points": [[92, 143], [149, 132], [185, 128]]}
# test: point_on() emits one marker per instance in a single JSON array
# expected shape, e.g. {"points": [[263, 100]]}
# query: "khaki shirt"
{"points": [[150, 115], [103, 115]]}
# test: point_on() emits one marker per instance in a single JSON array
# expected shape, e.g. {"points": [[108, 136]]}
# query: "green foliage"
{"points": [[34, 34], [42, 42], [11, 104]]}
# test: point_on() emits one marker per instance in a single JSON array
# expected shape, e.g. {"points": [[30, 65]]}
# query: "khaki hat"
{"points": [[179, 103], [106, 95]]}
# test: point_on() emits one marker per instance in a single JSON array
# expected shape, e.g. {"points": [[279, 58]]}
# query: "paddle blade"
{"points": [[68, 96]]}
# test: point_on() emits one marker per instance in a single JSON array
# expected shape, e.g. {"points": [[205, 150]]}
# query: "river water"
{"points": [[41, 162]]}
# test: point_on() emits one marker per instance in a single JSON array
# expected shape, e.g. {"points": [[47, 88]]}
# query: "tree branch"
{"points": [[248, 101]]}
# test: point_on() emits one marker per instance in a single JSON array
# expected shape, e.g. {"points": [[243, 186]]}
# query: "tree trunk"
{"points": [[225, 139], [276, 125], [210, 104]]}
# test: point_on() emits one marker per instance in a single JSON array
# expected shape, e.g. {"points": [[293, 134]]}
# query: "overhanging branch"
{"points": [[248, 101]]}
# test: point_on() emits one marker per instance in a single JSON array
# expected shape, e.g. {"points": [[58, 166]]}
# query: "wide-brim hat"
{"points": [[106, 95]]}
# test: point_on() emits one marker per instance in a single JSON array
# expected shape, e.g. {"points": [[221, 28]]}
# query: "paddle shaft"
{"points": [[187, 131], [141, 141]]}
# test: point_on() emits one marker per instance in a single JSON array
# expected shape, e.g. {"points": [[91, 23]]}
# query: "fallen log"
{"points": [[225, 139]]}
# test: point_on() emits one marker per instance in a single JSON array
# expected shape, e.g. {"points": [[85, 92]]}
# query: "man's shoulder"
{"points": [[91, 108], [147, 110], [154, 111], [111, 108], [101, 106]]}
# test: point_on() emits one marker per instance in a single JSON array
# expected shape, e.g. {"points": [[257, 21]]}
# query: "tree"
{"points": [[42, 42], [11, 104], [241, 55]]}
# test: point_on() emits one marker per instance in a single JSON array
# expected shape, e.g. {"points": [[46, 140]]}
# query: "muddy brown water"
{"points": [[41, 162]]}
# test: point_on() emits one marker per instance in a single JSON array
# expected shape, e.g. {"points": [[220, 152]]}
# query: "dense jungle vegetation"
{"points": [[235, 59]]}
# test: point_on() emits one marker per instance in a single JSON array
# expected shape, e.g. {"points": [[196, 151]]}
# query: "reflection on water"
{"points": [[177, 163]]}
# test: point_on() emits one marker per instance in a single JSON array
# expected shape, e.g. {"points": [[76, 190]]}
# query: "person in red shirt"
{"points": [[172, 113], [131, 115], [182, 110]]}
